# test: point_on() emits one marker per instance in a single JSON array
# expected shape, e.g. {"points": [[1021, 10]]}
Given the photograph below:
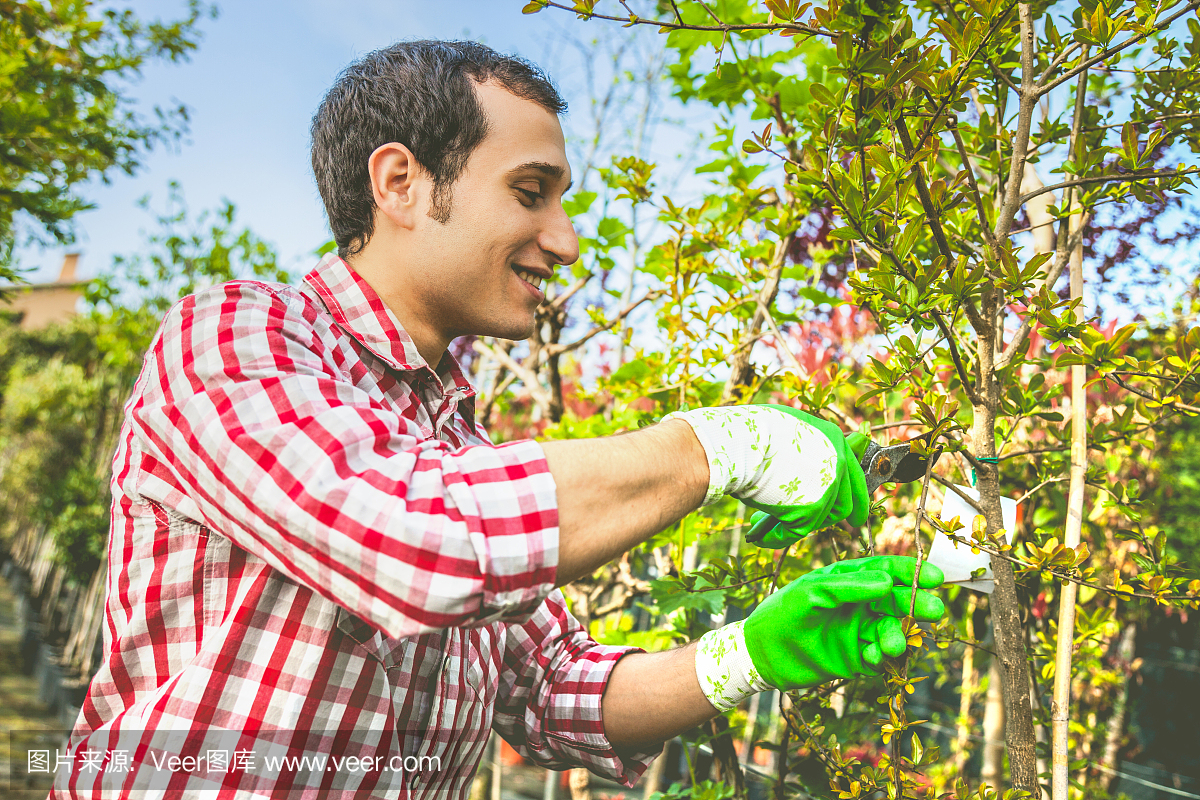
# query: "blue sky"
{"points": [[252, 87]]}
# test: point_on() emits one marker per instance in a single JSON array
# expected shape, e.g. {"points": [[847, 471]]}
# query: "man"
{"points": [[317, 554]]}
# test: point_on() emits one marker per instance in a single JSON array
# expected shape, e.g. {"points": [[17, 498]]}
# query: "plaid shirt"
{"points": [[316, 554]]}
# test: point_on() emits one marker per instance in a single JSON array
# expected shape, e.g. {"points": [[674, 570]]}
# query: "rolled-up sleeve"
{"points": [[551, 687], [247, 419]]}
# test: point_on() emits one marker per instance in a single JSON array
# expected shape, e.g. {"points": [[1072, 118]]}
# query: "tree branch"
{"points": [[1152, 398], [1058, 60], [1130, 177], [558, 349], [931, 212], [1044, 87], [952, 93], [1124, 594], [993, 246], [662, 24], [971, 501], [1068, 241], [526, 376], [1028, 104]]}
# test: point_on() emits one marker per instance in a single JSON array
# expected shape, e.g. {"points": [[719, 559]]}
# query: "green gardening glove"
{"points": [[794, 467], [767, 531], [835, 622]]}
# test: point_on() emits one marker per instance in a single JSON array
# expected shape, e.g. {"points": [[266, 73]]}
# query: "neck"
{"points": [[389, 277]]}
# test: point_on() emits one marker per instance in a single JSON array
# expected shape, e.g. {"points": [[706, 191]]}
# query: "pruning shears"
{"points": [[897, 463]]}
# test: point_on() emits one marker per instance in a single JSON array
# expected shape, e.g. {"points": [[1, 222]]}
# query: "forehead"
{"points": [[519, 131]]}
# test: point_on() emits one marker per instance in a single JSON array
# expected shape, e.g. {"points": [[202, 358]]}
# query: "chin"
{"points": [[513, 330]]}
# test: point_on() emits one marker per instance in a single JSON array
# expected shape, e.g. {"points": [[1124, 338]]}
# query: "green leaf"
{"points": [[670, 594], [908, 238], [579, 203], [817, 297], [821, 94], [533, 7], [635, 370]]}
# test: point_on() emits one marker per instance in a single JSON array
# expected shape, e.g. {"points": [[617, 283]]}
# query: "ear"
{"points": [[397, 184]]}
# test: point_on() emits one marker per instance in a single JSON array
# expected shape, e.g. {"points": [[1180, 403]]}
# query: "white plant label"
{"points": [[956, 560]]}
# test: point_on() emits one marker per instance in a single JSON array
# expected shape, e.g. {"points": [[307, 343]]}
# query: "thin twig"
{"points": [[952, 93], [1118, 593], [724, 27], [1045, 87], [1130, 177], [968, 643], [993, 246], [558, 349], [1044, 483], [526, 376], [971, 501], [1182, 406]]}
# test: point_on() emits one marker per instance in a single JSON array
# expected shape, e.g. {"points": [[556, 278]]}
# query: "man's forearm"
{"points": [[652, 697], [618, 491]]}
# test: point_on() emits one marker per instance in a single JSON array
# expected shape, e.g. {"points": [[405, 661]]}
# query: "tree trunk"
{"points": [[1060, 706], [1116, 723], [962, 739], [992, 772], [1006, 610], [579, 779], [653, 776], [725, 759]]}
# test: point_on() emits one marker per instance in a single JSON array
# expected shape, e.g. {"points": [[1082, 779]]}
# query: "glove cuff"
{"points": [[720, 470], [723, 665]]}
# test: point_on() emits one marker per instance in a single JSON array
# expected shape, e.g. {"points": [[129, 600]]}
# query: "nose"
{"points": [[558, 237]]}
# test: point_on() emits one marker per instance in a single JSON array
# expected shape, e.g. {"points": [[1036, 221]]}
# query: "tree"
{"points": [[62, 393], [65, 113], [910, 150]]}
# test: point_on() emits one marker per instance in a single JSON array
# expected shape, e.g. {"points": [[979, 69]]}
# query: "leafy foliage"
{"points": [[894, 194], [64, 387], [65, 117]]}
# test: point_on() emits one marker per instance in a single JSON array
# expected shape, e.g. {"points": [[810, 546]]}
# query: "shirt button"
{"points": [[446, 662]]}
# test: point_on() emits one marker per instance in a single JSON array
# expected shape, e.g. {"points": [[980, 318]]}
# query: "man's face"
{"points": [[486, 268]]}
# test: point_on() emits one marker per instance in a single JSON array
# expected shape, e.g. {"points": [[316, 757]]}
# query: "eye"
{"points": [[530, 195]]}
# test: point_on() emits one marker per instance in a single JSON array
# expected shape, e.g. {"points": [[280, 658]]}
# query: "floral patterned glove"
{"points": [[793, 467]]}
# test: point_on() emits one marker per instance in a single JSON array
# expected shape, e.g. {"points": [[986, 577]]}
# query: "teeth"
{"points": [[534, 280]]}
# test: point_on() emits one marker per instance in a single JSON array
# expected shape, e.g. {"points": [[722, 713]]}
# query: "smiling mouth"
{"points": [[531, 278]]}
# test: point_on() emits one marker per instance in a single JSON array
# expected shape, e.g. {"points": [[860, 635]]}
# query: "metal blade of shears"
{"points": [[896, 463]]}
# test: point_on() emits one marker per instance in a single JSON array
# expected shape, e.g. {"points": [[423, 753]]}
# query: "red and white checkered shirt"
{"points": [[316, 554]]}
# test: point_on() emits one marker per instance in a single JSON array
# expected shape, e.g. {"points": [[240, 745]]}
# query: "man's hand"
{"points": [[835, 622], [791, 466]]}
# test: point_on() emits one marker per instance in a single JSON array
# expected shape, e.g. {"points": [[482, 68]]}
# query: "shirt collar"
{"points": [[361, 313]]}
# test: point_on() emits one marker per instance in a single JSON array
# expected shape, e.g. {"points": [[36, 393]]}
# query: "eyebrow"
{"points": [[545, 168]]}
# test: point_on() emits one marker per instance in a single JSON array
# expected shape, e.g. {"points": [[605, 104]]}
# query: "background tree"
{"points": [[66, 116], [918, 143], [62, 392]]}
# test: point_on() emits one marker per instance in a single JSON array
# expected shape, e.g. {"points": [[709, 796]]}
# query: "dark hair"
{"points": [[422, 95]]}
